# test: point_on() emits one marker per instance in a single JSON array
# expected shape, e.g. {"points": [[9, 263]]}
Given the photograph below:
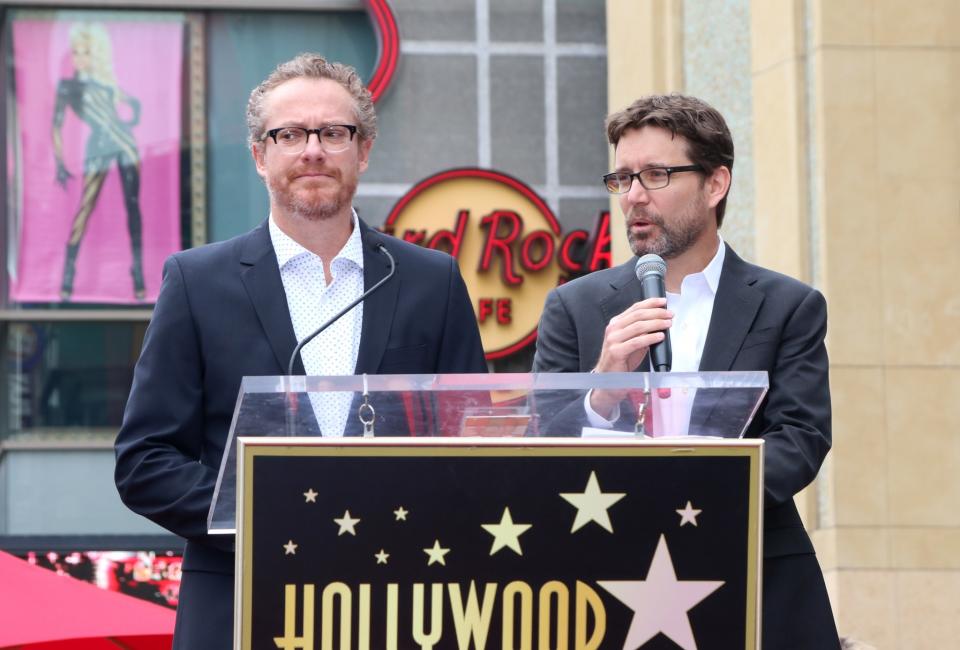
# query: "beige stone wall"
{"points": [[885, 79], [856, 118]]}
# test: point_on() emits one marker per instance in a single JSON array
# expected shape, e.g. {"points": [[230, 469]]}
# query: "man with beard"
{"points": [[239, 307], [674, 156]]}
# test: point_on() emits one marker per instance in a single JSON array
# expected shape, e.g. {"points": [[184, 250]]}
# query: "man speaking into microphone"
{"points": [[239, 307], [673, 162]]}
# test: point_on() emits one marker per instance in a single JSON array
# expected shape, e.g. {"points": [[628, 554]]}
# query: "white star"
{"points": [[661, 602], [688, 515], [346, 523], [506, 533], [381, 556], [401, 514], [290, 548], [311, 496], [592, 504], [436, 553]]}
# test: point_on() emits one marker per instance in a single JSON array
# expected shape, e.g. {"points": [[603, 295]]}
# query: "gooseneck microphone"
{"points": [[315, 333], [651, 270]]}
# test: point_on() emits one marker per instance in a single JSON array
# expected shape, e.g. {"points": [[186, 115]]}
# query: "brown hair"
{"points": [[708, 139], [312, 66]]}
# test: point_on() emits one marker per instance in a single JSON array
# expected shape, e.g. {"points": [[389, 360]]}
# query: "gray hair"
{"points": [[312, 66]]}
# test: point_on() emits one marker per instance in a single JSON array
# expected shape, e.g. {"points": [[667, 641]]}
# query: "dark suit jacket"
{"points": [[761, 320], [222, 314]]}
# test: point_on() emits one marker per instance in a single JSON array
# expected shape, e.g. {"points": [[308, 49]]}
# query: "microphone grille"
{"points": [[651, 263]]}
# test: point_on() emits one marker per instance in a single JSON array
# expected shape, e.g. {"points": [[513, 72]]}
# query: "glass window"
{"points": [[68, 377]]}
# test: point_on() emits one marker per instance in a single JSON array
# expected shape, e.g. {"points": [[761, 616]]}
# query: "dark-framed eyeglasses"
{"points": [[651, 178], [293, 139]]}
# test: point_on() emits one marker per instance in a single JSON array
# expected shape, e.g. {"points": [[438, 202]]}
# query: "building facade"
{"points": [[845, 119]]}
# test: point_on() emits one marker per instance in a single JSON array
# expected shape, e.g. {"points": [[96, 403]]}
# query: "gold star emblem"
{"points": [[436, 553], [401, 513], [347, 524], [688, 515], [381, 556], [592, 505], [311, 496], [290, 548], [506, 533]]}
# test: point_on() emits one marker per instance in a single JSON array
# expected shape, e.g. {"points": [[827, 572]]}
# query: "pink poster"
{"points": [[97, 155]]}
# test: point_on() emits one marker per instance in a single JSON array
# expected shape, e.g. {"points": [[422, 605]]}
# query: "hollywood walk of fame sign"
{"points": [[493, 544]]}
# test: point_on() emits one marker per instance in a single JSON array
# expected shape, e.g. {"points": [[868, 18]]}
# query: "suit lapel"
{"points": [[734, 309], [260, 275], [624, 290], [380, 306]]}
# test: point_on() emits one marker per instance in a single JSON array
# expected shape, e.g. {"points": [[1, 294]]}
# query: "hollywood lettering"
{"points": [[494, 616]]}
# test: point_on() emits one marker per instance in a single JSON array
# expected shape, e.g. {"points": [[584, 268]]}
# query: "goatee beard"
{"points": [[313, 210], [670, 241], [309, 207], [667, 245]]}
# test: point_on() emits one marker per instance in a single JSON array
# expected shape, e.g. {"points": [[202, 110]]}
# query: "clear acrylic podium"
{"points": [[397, 511]]}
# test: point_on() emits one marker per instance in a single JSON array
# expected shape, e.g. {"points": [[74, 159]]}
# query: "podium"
{"points": [[490, 511]]}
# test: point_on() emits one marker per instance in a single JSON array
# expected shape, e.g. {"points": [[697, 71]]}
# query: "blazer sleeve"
{"points": [[795, 422], [561, 412], [158, 449], [557, 341]]}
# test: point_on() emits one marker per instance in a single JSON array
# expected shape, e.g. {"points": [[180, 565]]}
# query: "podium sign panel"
{"points": [[394, 543]]}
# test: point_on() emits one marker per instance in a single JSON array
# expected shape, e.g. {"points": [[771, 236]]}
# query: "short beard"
{"points": [[311, 209], [670, 241]]}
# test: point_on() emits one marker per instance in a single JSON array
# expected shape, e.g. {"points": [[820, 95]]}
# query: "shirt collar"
{"points": [[709, 277], [287, 249], [712, 271]]}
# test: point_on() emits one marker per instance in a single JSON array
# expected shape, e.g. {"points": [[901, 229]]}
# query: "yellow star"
{"points": [[592, 504], [401, 513], [381, 556], [436, 553], [346, 523], [290, 548], [506, 533], [311, 496], [688, 515]]}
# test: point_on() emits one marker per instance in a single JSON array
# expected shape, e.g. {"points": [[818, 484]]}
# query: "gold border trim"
{"points": [[249, 449]]}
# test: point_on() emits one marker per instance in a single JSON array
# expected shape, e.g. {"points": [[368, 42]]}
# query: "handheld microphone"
{"points": [[312, 335], [651, 270]]}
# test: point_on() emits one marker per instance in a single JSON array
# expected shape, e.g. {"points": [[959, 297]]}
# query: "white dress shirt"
{"points": [[312, 302], [692, 309]]}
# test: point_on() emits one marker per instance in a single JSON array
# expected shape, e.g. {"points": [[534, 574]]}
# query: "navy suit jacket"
{"points": [[221, 315], [761, 320]]}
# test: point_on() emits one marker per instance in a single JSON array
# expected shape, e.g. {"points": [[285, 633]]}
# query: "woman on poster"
{"points": [[93, 95]]}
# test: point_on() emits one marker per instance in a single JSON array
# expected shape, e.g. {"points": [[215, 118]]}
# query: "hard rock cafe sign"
{"points": [[510, 247]]}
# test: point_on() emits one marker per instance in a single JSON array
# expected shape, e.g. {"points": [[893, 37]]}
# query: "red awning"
{"points": [[41, 610]]}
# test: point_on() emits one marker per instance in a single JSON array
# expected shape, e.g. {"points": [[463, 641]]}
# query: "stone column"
{"points": [[644, 56], [857, 142]]}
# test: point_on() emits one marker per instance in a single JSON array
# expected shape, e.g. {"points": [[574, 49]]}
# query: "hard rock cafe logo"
{"points": [[509, 245]]}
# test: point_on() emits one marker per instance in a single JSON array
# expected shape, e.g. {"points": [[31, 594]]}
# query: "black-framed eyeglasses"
{"points": [[293, 139], [651, 178]]}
